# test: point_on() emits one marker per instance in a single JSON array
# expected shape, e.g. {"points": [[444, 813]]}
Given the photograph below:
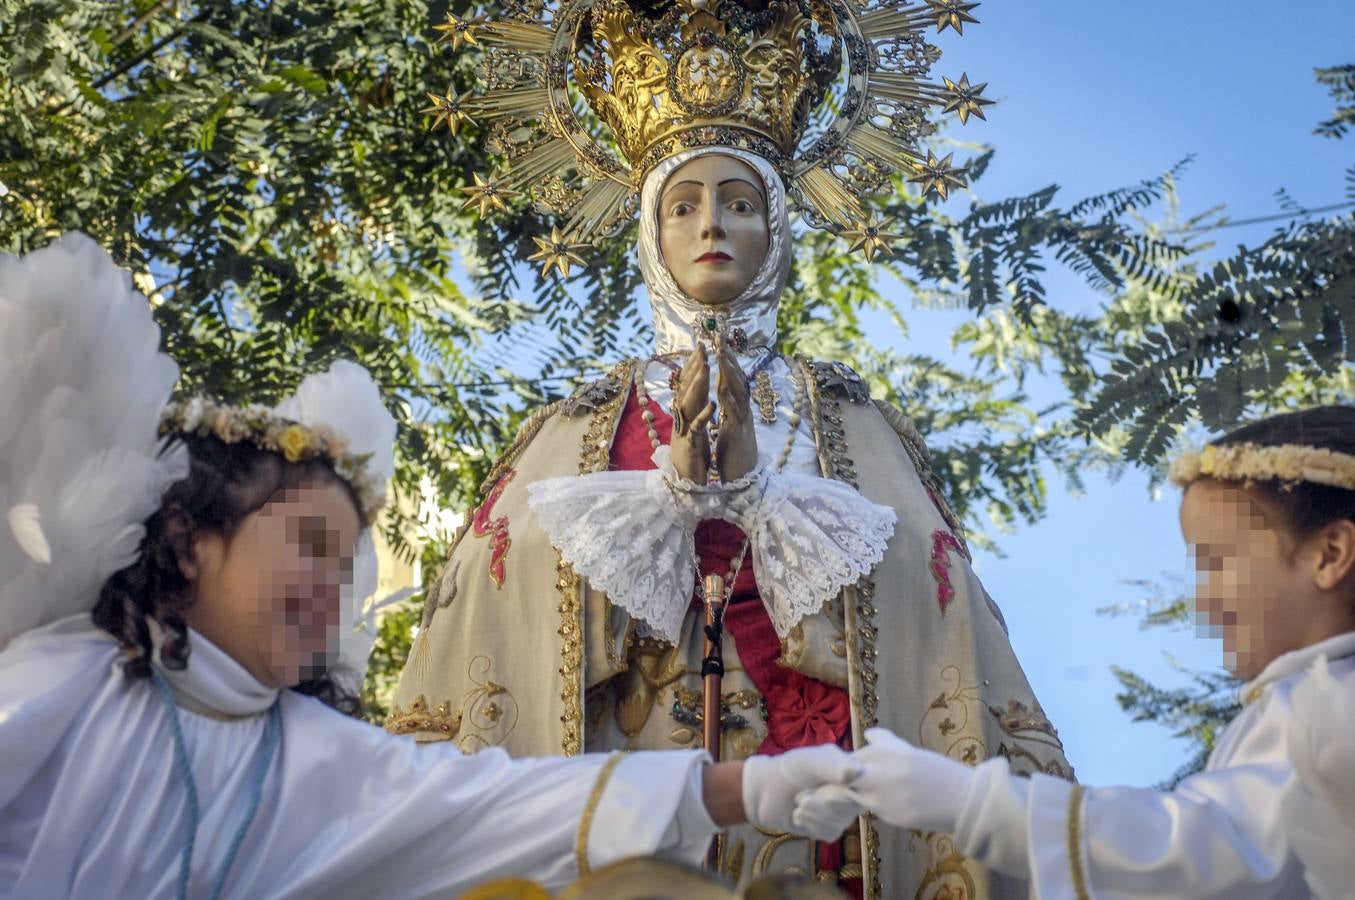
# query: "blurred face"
{"points": [[1253, 588], [269, 594], [713, 227]]}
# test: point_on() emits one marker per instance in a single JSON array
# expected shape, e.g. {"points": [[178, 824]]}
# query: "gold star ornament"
{"points": [[447, 111], [555, 253], [938, 176], [870, 237], [952, 14], [966, 100], [486, 195], [457, 32]]}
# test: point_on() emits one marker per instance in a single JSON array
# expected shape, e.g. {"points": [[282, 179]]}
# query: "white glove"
{"points": [[772, 783], [903, 785], [826, 810]]}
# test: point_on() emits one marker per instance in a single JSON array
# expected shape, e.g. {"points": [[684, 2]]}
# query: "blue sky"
{"points": [[1094, 96]]}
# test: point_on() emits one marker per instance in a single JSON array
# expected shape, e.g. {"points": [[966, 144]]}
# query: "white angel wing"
{"points": [[358, 620], [1319, 803], [82, 386]]}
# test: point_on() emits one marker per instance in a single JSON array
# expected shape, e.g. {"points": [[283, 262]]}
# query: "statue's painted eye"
{"points": [[680, 209]]}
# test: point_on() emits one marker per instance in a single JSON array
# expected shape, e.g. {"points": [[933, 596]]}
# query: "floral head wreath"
{"points": [[1289, 464], [266, 430]]}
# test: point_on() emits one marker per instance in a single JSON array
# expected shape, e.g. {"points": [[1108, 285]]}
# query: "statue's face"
{"points": [[713, 227]]}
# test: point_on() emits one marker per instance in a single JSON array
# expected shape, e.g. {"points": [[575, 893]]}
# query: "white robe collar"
{"points": [[214, 684], [1296, 661]]}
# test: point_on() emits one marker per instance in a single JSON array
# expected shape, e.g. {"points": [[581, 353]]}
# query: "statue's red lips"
{"points": [[715, 256]]}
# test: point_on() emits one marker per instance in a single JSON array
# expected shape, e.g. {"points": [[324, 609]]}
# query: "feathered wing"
{"points": [[1319, 803], [82, 386]]}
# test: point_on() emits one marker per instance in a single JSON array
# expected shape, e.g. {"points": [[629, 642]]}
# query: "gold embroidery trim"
{"points": [[571, 656], [419, 717], [591, 808], [1075, 842], [595, 455]]}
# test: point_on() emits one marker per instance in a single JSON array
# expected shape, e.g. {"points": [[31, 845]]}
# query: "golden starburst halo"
{"points": [[938, 176], [446, 110], [580, 99], [966, 100], [871, 237], [555, 252], [486, 194]]}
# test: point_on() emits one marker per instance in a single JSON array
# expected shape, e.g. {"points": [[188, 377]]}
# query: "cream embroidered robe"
{"points": [[516, 652]]}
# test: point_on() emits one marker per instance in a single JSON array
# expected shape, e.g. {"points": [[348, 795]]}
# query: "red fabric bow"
{"points": [[805, 711]]}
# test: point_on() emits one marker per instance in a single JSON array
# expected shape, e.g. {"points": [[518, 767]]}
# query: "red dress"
{"points": [[801, 711]]}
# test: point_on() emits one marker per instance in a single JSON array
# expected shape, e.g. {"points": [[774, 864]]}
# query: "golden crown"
{"points": [[665, 84], [583, 97]]}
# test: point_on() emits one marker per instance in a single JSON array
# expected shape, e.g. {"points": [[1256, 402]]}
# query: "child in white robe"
{"points": [[157, 648], [1269, 516]]}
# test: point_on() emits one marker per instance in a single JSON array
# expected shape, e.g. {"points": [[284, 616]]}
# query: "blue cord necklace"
{"points": [[272, 732]]}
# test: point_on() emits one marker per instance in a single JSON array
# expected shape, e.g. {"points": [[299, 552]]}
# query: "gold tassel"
{"points": [[421, 657], [833, 201]]}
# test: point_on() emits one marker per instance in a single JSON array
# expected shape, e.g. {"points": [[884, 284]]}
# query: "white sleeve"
{"points": [[991, 826], [1217, 835], [628, 815]]}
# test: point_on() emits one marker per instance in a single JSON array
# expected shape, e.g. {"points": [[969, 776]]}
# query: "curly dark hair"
{"points": [[1306, 507], [225, 483]]}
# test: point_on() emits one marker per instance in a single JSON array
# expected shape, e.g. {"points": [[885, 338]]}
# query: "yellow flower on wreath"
{"points": [[1208, 457], [294, 442]]}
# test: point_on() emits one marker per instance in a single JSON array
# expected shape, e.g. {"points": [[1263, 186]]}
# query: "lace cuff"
{"points": [[811, 538], [631, 535], [624, 532]]}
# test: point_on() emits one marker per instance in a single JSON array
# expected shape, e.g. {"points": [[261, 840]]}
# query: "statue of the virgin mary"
{"points": [[569, 616]]}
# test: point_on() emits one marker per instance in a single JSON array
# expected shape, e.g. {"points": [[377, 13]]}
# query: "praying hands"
{"points": [[736, 443]]}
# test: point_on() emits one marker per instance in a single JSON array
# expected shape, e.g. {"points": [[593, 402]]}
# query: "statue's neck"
{"points": [[750, 327]]}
